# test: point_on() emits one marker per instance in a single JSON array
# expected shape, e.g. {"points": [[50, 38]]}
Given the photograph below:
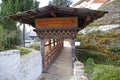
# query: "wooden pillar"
{"points": [[49, 45], [73, 52], [50, 51], [23, 35], [42, 53]]}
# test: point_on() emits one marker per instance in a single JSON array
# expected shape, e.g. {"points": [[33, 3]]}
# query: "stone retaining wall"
{"points": [[13, 68]]}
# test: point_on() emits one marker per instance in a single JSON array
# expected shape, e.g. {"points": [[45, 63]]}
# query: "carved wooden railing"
{"points": [[52, 50]]}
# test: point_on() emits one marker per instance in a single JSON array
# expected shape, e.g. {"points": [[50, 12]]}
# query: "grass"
{"points": [[35, 46], [105, 72], [23, 51], [101, 71], [1, 29]]}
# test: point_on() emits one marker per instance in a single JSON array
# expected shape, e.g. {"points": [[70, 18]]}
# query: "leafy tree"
{"points": [[9, 7], [61, 2]]}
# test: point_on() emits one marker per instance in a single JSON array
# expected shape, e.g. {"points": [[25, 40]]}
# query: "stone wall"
{"points": [[13, 68]]}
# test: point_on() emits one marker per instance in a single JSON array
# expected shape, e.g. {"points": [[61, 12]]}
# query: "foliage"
{"points": [[9, 7], [105, 72], [98, 57], [35, 46], [23, 51], [103, 41], [96, 70], [1, 29], [89, 65], [95, 50], [115, 49], [10, 38], [98, 40], [116, 62], [61, 2]]}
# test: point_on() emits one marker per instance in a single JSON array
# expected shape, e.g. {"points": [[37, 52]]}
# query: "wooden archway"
{"points": [[52, 43]]}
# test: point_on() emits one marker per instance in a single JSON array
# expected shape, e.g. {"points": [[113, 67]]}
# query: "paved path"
{"points": [[61, 69]]}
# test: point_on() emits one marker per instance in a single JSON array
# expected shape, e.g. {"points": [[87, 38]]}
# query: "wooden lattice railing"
{"points": [[52, 49]]}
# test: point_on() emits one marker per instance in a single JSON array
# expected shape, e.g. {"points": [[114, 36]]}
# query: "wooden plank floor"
{"points": [[61, 69]]}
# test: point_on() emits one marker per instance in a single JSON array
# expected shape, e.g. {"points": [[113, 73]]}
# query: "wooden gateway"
{"points": [[53, 24]]}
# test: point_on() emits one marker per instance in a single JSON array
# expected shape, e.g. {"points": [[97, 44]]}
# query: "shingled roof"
{"points": [[85, 16]]}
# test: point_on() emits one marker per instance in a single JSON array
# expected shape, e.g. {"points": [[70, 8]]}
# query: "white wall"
{"points": [[13, 68]]}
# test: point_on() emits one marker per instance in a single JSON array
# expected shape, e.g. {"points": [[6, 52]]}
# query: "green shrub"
{"points": [[89, 66], [105, 72], [1, 29], [9, 40], [97, 56], [90, 61], [23, 51], [35, 46], [115, 50], [116, 62]]}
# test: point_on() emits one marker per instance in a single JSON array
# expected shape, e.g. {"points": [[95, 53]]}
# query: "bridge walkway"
{"points": [[61, 69]]}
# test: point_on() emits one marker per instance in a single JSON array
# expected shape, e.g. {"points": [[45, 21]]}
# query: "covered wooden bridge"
{"points": [[53, 25]]}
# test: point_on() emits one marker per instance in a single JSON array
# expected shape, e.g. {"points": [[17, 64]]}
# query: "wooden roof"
{"points": [[85, 16]]}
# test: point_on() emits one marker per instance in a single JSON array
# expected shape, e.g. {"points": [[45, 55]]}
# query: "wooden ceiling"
{"points": [[85, 16]]}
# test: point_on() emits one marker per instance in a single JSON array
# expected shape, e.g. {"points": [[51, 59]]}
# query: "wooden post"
{"points": [[23, 35], [42, 53], [54, 42], [49, 45], [73, 52], [49, 50]]}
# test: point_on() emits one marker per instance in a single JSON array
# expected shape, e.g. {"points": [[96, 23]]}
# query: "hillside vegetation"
{"points": [[100, 50]]}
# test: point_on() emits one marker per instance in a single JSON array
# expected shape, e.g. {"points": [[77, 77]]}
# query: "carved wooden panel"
{"points": [[56, 33]]}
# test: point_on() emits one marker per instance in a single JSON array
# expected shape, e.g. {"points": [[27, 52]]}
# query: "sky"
{"points": [[43, 2]]}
